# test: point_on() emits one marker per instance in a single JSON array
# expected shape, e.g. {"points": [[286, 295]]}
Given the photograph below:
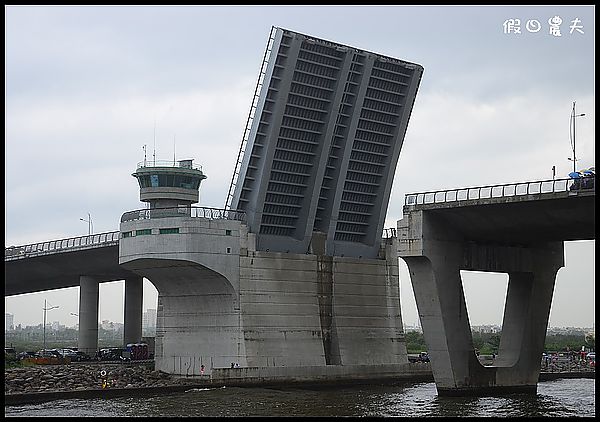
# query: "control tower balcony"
{"points": [[169, 183]]}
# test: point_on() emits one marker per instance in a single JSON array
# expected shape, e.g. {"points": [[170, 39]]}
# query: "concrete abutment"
{"points": [[221, 301]]}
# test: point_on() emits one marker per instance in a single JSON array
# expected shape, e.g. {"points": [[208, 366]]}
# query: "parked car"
{"points": [[10, 353], [25, 355], [75, 355], [112, 353], [48, 353]]}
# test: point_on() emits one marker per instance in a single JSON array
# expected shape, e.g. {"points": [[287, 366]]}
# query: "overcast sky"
{"points": [[85, 85]]}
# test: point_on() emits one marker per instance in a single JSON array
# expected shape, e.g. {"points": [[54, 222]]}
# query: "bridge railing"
{"points": [[194, 212], [494, 191], [72, 243], [165, 163]]}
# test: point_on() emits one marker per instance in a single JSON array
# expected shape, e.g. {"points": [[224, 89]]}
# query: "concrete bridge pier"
{"points": [[134, 295], [435, 276], [88, 315]]}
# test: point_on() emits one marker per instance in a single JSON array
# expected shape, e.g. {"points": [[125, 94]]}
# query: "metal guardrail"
{"points": [[193, 212], [61, 245], [497, 191], [165, 163]]}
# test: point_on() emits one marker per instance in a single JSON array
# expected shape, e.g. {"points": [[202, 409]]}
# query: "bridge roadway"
{"points": [[530, 214], [509, 214], [59, 264]]}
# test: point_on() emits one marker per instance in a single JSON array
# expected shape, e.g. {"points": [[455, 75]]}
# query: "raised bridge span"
{"points": [[517, 228]]}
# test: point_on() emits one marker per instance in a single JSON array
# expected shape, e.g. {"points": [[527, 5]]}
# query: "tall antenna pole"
{"points": [[144, 148], [154, 152], [44, 326], [572, 121], [574, 159], [173, 150]]}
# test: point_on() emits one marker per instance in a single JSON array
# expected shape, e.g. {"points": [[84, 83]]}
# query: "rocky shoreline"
{"points": [[50, 382], [87, 376]]}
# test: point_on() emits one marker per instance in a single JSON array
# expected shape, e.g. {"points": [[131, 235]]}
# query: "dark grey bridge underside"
{"points": [[62, 270], [518, 220]]}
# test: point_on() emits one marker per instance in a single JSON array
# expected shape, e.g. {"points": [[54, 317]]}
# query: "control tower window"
{"points": [[183, 182], [169, 180]]}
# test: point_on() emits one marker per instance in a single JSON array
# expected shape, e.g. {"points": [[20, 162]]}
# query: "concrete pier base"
{"points": [[134, 295], [435, 263], [440, 300], [220, 301], [88, 315]]}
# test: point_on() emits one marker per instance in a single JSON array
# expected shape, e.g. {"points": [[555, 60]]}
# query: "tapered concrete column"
{"points": [[134, 295], [526, 314], [88, 315], [439, 296]]}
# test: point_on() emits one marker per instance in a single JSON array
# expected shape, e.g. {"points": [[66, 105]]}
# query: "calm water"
{"points": [[567, 397]]}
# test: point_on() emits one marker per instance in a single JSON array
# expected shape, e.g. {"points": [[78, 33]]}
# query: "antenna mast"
{"points": [[144, 148], [173, 150], [154, 152]]}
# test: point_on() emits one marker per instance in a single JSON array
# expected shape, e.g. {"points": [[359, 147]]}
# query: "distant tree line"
{"points": [[32, 339], [488, 343]]}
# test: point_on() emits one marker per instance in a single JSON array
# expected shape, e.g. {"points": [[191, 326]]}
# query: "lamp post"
{"points": [[74, 314], [90, 225], [45, 310], [572, 122]]}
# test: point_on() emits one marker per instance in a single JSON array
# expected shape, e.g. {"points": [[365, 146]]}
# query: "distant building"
{"points": [[9, 320], [149, 319], [111, 326], [486, 328], [413, 328], [57, 326]]}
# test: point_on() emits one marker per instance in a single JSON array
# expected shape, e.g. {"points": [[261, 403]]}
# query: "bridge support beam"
{"points": [[134, 292], [434, 259], [88, 315]]}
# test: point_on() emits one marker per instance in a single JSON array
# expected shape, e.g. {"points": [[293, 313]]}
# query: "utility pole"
{"points": [[573, 117], [44, 327]]}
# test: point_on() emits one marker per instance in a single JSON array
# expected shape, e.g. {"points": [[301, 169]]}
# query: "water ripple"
{"points": [[564, 398]]}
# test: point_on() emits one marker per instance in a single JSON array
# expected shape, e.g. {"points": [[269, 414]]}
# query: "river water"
{"points": [[563, 397]]}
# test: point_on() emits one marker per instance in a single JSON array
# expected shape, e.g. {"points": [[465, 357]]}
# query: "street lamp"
{"points": [[572, 123], [74, 314], [90, 225], [45, 310]]}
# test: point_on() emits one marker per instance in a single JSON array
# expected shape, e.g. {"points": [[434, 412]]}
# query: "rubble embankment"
{"points": [[86, 376]]}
